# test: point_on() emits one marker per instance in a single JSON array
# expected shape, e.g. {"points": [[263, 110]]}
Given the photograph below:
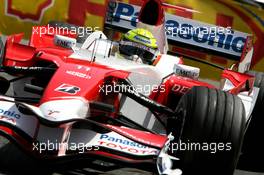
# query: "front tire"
{"points": [[211, 117]]}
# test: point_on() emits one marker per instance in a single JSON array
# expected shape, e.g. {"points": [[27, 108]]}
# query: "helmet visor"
{"points": [[129, 48]]}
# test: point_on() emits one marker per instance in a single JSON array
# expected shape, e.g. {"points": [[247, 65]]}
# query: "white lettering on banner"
{"points": [[185, 30]]}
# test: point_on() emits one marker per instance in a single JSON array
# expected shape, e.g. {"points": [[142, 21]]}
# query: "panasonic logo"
{"points": [[221, 39], [10, 113], [121, 141]]}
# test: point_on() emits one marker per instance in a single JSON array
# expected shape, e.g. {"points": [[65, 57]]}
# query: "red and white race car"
{"points": [[72, 100]]}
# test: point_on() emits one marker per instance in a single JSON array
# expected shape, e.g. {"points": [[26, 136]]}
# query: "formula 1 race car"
{"points": [[64, 100]]}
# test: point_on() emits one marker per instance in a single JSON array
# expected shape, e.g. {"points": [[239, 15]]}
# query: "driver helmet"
{"points": [[139, 43]]}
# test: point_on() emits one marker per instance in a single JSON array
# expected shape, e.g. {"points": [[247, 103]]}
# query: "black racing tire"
{"points": [[211, 118], [80, 37], [253, 147]]}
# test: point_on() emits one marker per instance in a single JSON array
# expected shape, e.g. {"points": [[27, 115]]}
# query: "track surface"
{"points": [[13, 162]]}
